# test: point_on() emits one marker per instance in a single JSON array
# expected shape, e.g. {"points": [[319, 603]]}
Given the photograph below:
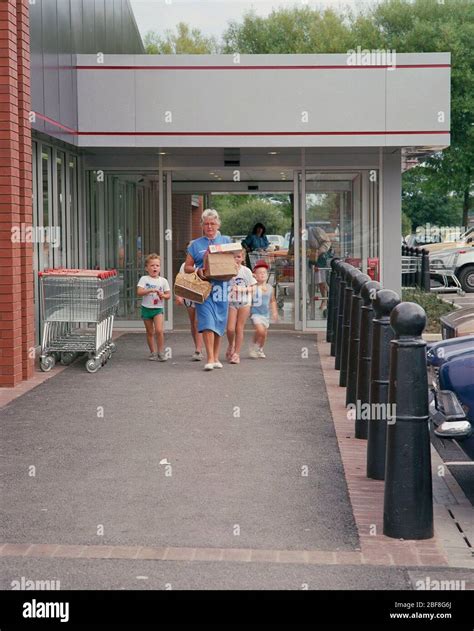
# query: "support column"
{"points": [[391, 221], [26, 188], [16, 258]]}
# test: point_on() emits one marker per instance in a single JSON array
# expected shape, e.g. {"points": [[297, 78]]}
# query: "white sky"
{"points": [[212, 16]]}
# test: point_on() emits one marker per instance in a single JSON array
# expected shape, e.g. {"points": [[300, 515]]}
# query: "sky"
{"points": [[212, 16]]}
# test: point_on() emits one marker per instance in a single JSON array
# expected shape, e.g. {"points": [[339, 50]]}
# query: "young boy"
{"points": [[154, 290], [263, 301], [240, 301]]}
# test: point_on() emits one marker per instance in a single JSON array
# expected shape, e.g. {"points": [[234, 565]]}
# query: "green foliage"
{"points": [[406, 224], [422, 202], [184, 41], [428, 26], [239, 214], [284, 31], [433, 305]]}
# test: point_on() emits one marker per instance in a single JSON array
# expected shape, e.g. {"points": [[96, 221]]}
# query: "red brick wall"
{"points": [[16, 259], [196, 229]]}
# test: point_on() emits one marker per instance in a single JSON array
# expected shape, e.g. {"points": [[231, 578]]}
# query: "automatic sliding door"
{"points": [[336, 214]]}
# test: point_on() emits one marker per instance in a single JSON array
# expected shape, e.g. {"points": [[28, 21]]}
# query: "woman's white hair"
{"points": [[210, 213]]}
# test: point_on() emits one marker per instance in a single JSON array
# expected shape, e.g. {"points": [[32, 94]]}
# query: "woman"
{"points": [[256, 240], [212, 313]]}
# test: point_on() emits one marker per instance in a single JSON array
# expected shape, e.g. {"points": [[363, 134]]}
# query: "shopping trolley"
{"points": [[70, 300], [443, 266]]}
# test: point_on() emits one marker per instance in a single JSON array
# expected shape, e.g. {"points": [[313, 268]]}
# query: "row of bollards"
{"points": [[381, 357], [418, 273]]}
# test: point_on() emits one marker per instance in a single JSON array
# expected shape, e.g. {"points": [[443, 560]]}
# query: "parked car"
{"points": [[466, 239], [238, 238], [450, 375], [420, 241], [463, 266], [277, 241]]}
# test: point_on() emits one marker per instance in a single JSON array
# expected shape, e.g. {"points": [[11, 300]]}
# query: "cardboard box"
{"points": [[220, 265], [191, 287], [225, 247]]}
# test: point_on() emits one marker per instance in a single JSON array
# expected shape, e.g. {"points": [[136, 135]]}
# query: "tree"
{"points": [[239, 215], [422, 204], [184, 41], [427, 26], [294, 30], [406, 225]]}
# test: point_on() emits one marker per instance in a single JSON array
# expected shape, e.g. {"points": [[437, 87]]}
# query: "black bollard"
{"points": [[418, 268], [344, 267], [358, 282], [412, 263], [404, 276], [408, 498], [334, 320], [425, 270], [332, 289], [367, 293], [346, 325], [376, 424]]}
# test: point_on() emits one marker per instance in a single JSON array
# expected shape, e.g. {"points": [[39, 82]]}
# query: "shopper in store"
{"points": [[255, 240]]}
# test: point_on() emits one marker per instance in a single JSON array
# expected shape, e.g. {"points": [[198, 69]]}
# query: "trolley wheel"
{"points": [[47, 363], [67, 358], [93, 365], [113, 347]]}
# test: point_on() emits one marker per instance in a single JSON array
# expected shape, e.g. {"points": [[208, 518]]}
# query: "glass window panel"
{"points": [[47, 201], [60, 228]]}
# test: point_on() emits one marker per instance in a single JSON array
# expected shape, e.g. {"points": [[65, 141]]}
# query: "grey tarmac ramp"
{"points": [[238, 440]]}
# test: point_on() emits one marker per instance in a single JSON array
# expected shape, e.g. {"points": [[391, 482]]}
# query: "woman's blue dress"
{"points": [[212, 313]]}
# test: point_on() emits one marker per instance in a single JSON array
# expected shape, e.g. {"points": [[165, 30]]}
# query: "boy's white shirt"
{"points": [[152, 301]]}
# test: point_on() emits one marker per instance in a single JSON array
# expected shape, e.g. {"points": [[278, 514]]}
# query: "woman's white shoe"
{"points": [[209, 367], [218, 365]]}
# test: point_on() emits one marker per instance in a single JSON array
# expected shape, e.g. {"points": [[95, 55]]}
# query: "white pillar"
{"points": [[390, 216]]}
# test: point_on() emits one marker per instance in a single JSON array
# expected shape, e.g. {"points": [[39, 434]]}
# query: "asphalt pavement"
{"points": [[146, 453]]}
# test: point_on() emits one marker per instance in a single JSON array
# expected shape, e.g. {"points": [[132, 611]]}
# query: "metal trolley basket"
{"points": [[71, 298], [443, 266], [281, 271]]}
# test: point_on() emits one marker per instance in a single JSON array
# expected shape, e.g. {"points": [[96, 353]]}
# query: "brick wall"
{"points": [[186, 226], [16, 259], [196, 229]]}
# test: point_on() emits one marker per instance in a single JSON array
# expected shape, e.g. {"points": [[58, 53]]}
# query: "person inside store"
{"points": [[255, 240]]}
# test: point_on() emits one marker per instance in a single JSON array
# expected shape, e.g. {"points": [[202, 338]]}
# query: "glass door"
{"points": [[331, 223], [129, 216]]}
